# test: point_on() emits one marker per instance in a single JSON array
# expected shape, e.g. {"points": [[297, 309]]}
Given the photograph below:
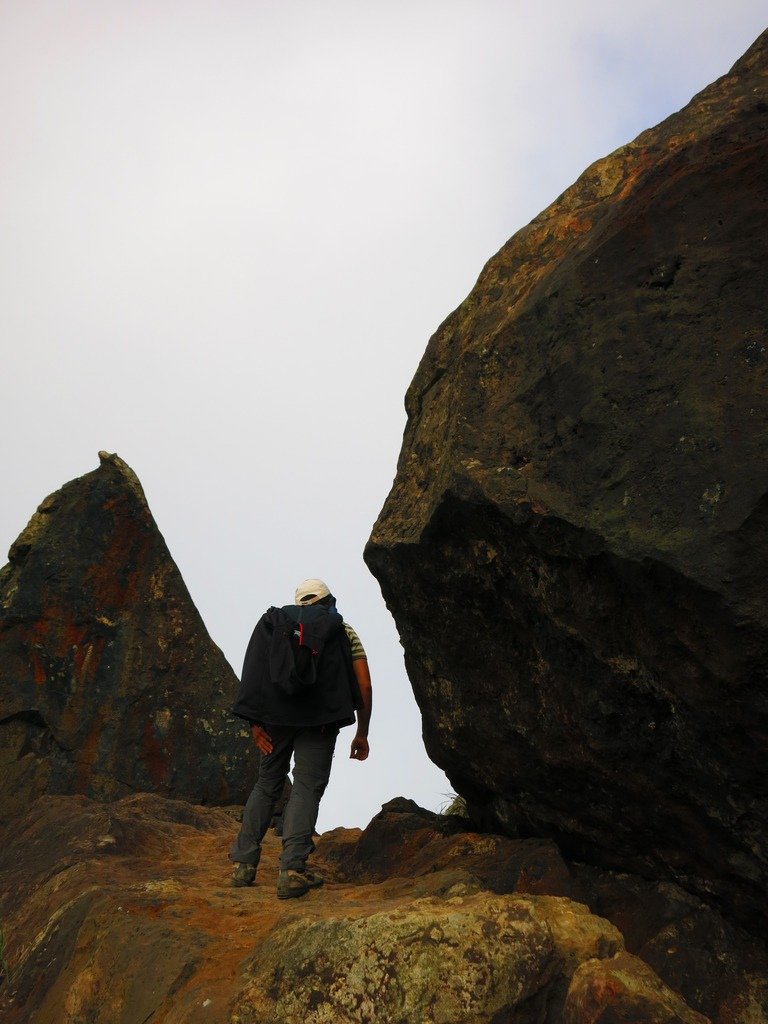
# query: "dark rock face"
{"points": [[575, 547], [109, 682]]}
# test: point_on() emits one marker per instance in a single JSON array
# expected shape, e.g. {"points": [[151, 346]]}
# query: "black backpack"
{"points": [[296, 648], [297, 670]]}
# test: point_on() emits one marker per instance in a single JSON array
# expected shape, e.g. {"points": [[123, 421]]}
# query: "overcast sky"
{"points": [[227, 231]]}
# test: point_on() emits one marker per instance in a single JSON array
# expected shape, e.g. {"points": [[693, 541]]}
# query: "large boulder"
{"points": [[109, 682], [463, 959], [575, 547]]}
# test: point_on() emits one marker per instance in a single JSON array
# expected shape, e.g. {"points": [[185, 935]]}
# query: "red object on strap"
{"points": [[301, 639]]}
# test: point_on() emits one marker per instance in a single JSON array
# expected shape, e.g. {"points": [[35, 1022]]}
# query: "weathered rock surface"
{"points": [[122, 913], [456, 959], [575, 548], [109, 682], [715, 966], [624, 990]]}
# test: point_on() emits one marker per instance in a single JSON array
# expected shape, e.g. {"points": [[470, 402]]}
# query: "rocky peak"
{"points": [[109, 682]]}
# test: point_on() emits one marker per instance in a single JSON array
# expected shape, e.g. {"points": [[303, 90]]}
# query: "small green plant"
{"points": [[456, 807]]}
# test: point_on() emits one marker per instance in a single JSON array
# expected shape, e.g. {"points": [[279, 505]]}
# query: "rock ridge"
{"points": [[128, 916]]}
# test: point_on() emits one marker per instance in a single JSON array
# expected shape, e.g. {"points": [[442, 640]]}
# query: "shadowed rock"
{"points": [[109, 682], [575, 547]]}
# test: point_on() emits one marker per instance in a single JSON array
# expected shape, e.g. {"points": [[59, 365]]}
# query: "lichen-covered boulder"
{"points": [[575, 547], [109, 681], [462, 960]]}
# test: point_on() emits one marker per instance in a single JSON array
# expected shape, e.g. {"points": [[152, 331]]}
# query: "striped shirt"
{"points": [[358, 651]]}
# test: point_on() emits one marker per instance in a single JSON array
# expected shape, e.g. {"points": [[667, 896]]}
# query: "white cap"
{"points": [[311, 591]]}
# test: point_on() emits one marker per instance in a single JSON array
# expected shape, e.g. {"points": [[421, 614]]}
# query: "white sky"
{"points": [[227, 231]]}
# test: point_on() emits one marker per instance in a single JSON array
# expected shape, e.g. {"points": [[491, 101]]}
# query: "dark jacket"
{"points": [[331, 699]]}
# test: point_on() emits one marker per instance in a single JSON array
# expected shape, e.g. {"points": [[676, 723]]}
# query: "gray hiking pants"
{"points": [[312, 748]]}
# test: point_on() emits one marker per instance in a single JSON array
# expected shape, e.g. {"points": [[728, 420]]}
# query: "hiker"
{"points": [[305, 676]]}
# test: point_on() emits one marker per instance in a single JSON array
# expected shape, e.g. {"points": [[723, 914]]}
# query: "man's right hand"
{"points": [[359, 751], [262, 739]]}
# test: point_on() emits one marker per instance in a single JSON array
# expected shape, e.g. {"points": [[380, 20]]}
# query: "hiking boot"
{"points": [[291, 884], [244, 874]]}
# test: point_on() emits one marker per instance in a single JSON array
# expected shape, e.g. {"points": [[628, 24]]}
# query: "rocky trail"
{"points": [[124, 913]]}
